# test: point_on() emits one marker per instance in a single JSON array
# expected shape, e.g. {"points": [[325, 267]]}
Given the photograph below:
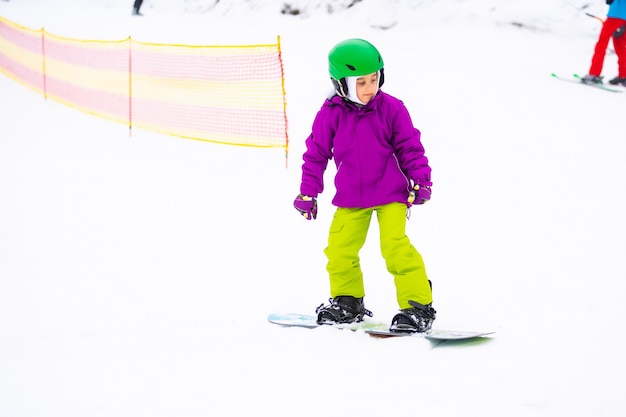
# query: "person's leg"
{"points": [[347, 235], [403, 261], [620, 50], [597, 61]]}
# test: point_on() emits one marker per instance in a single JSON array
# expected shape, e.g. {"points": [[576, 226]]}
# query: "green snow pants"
{"points": [[348, 232]]}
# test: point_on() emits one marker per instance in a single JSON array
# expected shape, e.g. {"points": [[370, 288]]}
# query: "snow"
{"points": [[136, 273]]}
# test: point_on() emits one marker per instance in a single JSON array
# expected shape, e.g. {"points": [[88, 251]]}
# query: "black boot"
{"points": [[417, 319], [342, 309], [591, 79], [618, 81]]}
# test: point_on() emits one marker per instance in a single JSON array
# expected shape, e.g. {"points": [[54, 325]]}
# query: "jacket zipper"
{"points": [[408, 181]]}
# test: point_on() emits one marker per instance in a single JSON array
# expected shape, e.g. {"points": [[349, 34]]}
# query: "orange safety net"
{"points": [[226, 94]]}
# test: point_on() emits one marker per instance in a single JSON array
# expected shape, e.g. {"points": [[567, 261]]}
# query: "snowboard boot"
{"points": [[342, 309], [416, 319], [591, 79], [618, 81]]}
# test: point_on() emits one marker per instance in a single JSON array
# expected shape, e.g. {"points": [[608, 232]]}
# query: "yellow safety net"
{"points": [[227, 94]]}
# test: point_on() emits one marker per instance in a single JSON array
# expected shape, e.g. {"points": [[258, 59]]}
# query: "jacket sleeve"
{"points": [[319, 150], [408, 146]]}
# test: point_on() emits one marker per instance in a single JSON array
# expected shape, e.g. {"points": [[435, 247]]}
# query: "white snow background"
{"points": [[136, 273]]}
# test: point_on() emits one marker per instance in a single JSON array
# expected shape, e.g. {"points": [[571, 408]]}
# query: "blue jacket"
{"points": [[617, 10]]}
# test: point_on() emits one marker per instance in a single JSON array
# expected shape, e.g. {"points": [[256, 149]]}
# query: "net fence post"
{"points": [[43, 63], [130, 87], [282, 82]]}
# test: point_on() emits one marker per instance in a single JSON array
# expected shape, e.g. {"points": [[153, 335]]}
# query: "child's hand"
{"points": [[419, 195], [306, 205]]}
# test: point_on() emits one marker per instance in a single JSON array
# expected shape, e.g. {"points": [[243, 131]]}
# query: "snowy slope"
{"points": [[136, 273]]}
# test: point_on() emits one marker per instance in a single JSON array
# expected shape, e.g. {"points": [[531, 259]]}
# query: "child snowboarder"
{"points": [[614, 26], [381, 166]]}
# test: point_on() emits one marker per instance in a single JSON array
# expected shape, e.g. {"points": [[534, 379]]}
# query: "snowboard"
{"points": [[373, 328]]}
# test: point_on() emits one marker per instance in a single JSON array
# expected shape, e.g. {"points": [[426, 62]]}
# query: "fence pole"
{"points": [[130, 87], [43, 63], [282, 81]]}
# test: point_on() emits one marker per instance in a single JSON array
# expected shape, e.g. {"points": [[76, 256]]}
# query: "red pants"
{"points": [[608, 28]]}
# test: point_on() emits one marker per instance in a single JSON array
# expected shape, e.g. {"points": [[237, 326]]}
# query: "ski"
{"points": [[577, 79]]}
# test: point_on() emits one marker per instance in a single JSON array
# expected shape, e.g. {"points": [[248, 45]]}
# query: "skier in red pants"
{"points": [[613, 27]]}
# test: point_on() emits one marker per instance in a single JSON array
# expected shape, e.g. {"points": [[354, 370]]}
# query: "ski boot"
{"points": [[416, 319], [342, 309], [618, 81], [591, 79]]}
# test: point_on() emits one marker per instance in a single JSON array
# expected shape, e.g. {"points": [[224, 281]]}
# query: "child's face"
{"points": [[367, 87]]}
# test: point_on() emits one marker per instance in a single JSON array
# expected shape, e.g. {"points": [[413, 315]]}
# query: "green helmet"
{"points": [[353, 57]]}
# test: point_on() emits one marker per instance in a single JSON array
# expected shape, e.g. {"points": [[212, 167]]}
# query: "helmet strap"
{"points": [[341, 87], [352, 96]]}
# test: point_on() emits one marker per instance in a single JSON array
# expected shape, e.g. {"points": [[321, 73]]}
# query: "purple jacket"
{"points": [[376, 150]]}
